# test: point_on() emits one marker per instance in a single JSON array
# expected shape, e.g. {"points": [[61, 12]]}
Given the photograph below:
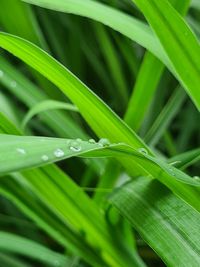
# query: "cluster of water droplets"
{"points": [[72, 145], [103, 142]]}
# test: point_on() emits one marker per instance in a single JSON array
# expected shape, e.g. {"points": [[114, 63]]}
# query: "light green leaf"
{"points": [[179, 42], [21, 152], [165, 222], [25, 247], [44, 106]]}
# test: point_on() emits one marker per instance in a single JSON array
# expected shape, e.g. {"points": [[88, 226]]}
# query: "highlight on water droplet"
{"points": [[44, 157], [75, 146], [13, 84], [21, 151], [91, 141], [104, 142], [59, 153], [196, 177], [175, 162], [143, 151]]}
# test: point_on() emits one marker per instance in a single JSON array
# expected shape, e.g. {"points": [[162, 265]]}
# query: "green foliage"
{"points": [[108, 176]]}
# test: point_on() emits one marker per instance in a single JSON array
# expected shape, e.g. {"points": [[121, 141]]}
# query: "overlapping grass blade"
{"points": [[139, 32], [21, 152], [177, 39], [101, 119], [164, 119], [71, 211], [15, 244], [147, 81], [166, 223], [45, 106]]}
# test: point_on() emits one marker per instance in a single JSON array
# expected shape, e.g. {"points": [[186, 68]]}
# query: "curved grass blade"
{"points": [[165, 222], [138, 31], [45, 106], [26, 247], [186, 159], [179, 42], [164, 119], [21, 152], [117, 20], [101, 119], [85, 233], [146, 84]]}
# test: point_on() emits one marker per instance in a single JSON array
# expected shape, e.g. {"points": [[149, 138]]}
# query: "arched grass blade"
{"points": [[179, 42], [45, 106]]}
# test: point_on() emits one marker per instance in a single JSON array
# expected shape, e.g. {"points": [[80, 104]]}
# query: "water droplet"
{"points": [[196, 177], [91, 141], [59, 153], [1, 73], [143, 151], [13, 84], [104, 142], [21, 151], [174, 162], [75, 146], [44, 157]]}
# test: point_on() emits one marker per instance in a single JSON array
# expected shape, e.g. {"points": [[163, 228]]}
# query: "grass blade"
{"points": [[177, 40], [166, 223]]}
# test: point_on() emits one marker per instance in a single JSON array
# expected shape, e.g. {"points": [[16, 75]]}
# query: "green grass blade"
{"points": [[146, 84], [112, 60], [20, 20], [166, 223], [147, 81], [20, 245], [20, 152], [179, 42], [45, 106], [186, 159], [101, 119], [10, 261], [117, 20], [166, 116]]}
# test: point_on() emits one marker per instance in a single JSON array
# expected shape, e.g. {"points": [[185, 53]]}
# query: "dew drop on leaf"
{"points": [[59, 153], [21, 151], [91, 141], [104, 142], [143, 151], [44, 157], [75, 146]]}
